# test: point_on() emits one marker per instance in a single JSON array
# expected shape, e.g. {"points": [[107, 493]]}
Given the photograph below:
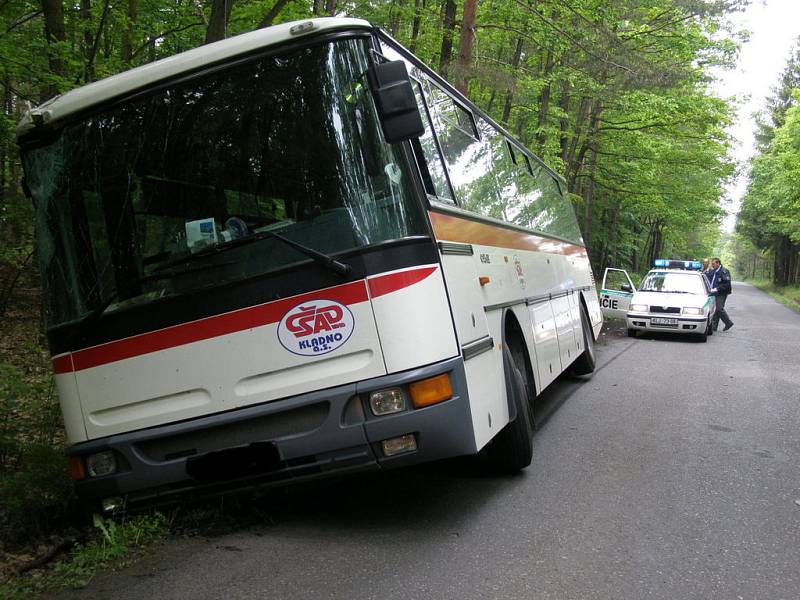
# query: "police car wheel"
{"points": [[512, 449], [702, 337], [631, 332], [709, 327]]}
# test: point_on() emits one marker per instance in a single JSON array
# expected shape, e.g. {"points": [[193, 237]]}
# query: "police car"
{"points": [[675, 297]]}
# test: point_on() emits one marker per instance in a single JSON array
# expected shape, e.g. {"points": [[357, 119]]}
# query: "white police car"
{"points": [[674, 297]]}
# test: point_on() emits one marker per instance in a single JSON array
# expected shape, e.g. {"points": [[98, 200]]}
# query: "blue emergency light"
{"points": [[669, 263]]}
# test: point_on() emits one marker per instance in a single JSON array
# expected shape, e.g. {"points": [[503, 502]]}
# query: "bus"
{"points": [[292, 254]]}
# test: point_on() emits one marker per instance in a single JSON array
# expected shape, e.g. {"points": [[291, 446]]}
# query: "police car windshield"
{"points": [[672, 283]]}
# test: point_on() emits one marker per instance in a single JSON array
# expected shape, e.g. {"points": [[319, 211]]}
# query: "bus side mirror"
{"points": [[395, 101]]}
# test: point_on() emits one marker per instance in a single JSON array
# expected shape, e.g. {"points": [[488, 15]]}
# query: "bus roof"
{"points": [[81, 98]]}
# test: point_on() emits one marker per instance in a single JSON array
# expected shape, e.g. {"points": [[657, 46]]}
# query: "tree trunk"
{"points": [[588, 199], [88, 38], [569, 159], [273, 13], [564, 103], [4, 143], [317, 8], [218, 21], [511, 89], [448, 27], [589, 142], [636, 230], [544, 101], [128, 33], [781, 270], [330, 7], [466, 39], [54, 32], [396, 16], [419, 6]]}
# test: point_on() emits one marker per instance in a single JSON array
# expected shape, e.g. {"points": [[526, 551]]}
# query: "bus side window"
{"points": [[431, 165], [505, 169], [562, 222], [457, 140]]}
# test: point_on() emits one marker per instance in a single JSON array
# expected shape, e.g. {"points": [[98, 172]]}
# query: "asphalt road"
{"points": [[673, 473]]}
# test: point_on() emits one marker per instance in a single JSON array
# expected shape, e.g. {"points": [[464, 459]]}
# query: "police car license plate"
{"points": [[663, 321]]}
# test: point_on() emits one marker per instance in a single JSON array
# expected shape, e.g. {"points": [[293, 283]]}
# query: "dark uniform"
{"points": [[720, 278]]}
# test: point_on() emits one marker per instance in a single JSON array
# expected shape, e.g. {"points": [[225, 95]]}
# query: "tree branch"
{"points": [[164, 34], [22, 21]]}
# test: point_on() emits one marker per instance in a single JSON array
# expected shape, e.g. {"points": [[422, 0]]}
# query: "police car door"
{"points": [[616, 293]]}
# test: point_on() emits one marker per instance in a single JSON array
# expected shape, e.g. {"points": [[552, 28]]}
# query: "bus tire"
{"points": [[585, 363], [511, 450]]}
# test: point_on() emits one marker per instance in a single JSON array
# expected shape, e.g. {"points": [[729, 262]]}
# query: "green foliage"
{"points": [[37, 493], [769, 220], [112, 543], [115, 543]]}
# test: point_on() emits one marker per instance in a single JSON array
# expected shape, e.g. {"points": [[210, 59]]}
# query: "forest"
{"points": [[767, 240]]}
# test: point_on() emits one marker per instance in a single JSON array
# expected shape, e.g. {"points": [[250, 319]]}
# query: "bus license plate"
{"points": [[663, 321]]}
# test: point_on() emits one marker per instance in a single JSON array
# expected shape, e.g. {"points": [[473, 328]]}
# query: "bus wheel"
{"points": [[512, 449], [584, 364]]}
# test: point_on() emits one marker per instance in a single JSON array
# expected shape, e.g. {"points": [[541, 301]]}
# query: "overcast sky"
{"points": [[774, 27]]}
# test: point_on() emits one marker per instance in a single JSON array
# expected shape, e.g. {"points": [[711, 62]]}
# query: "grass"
{"points": [[788, 295], [112, 542]]}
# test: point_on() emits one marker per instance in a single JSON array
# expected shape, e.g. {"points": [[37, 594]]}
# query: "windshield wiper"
{"points": [[326, 261]]}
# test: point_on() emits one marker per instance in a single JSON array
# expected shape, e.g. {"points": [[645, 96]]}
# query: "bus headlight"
{"points": [[691, 310], [386, 402], [638, 308], [102, 463]]}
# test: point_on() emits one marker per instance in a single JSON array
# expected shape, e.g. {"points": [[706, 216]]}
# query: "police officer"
{"points": [[720, 279]]}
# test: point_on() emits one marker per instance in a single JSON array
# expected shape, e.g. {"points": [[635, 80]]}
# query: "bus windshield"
{"points": [[183, 188]]}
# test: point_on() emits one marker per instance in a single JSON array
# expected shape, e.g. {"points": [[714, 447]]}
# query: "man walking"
{"points": [[720, 279]]}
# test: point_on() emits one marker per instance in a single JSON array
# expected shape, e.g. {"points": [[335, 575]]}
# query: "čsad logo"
{"points": [[316, 327]]}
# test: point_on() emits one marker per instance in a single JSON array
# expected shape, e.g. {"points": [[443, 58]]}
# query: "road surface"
{"points": [[673, 473]]}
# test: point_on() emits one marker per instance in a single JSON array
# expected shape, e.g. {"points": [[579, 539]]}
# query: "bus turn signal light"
{"points": [[431, 391], [76, 469]]}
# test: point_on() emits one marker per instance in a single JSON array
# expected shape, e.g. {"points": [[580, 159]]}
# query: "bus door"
{"points": [[616, 293]]}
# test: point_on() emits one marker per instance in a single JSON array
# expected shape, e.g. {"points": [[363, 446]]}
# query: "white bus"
{"points": [[296, 253]]}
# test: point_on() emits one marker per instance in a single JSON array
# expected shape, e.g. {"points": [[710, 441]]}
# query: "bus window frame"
{"points": [[511, 152], [421, 88], [475, 134]]}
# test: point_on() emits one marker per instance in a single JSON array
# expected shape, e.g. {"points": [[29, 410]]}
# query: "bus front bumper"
{"points": [[314, 435]]}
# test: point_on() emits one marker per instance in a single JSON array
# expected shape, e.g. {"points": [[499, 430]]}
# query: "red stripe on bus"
{"points": [[62, 364], [452, 228], [203, 329], [386, 284]]}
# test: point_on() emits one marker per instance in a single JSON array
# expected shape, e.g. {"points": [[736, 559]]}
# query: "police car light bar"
{"points": [[677, 264]]}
